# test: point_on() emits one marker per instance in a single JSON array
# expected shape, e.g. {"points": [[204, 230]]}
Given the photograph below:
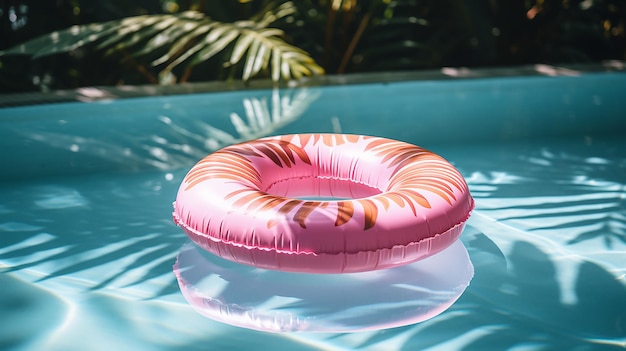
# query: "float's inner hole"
{"points": [[320, 188]]}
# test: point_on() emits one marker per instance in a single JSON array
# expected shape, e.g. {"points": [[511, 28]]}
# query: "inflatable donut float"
{"points": [[323, 203]]}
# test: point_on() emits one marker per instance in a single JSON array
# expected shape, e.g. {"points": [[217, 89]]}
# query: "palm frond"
{"points": [[187, 39]]}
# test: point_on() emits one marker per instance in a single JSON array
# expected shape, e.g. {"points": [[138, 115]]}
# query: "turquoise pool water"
{"points": [[87, 244]]}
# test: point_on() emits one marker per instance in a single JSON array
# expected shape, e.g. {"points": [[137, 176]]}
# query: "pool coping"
{"points": [[104, 93]]}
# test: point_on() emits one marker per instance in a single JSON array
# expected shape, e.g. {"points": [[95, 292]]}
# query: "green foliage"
{"points": [[174, 41], [184, 40]]}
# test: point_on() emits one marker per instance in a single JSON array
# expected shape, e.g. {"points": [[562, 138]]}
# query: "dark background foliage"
{"points": [[343, 36]]}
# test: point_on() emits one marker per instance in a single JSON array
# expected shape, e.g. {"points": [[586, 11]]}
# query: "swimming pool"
{"points": [[87, 244]]}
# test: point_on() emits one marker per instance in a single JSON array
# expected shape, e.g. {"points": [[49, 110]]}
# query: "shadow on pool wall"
{"points": [[90, 225], [169, 132]]}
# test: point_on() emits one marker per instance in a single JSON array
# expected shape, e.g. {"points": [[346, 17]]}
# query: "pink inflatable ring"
{"points": [[392, 203]]}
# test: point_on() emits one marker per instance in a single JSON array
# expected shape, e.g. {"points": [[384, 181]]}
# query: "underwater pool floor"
{"points": [[88, 260]]}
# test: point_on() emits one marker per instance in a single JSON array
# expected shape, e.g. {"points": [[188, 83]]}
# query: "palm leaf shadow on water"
{"points": [[565, 243], [102, 241], [581, 198], [115, 231]]}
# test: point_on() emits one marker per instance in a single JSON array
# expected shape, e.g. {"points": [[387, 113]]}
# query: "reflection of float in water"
{"points": [[280, 301]]}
